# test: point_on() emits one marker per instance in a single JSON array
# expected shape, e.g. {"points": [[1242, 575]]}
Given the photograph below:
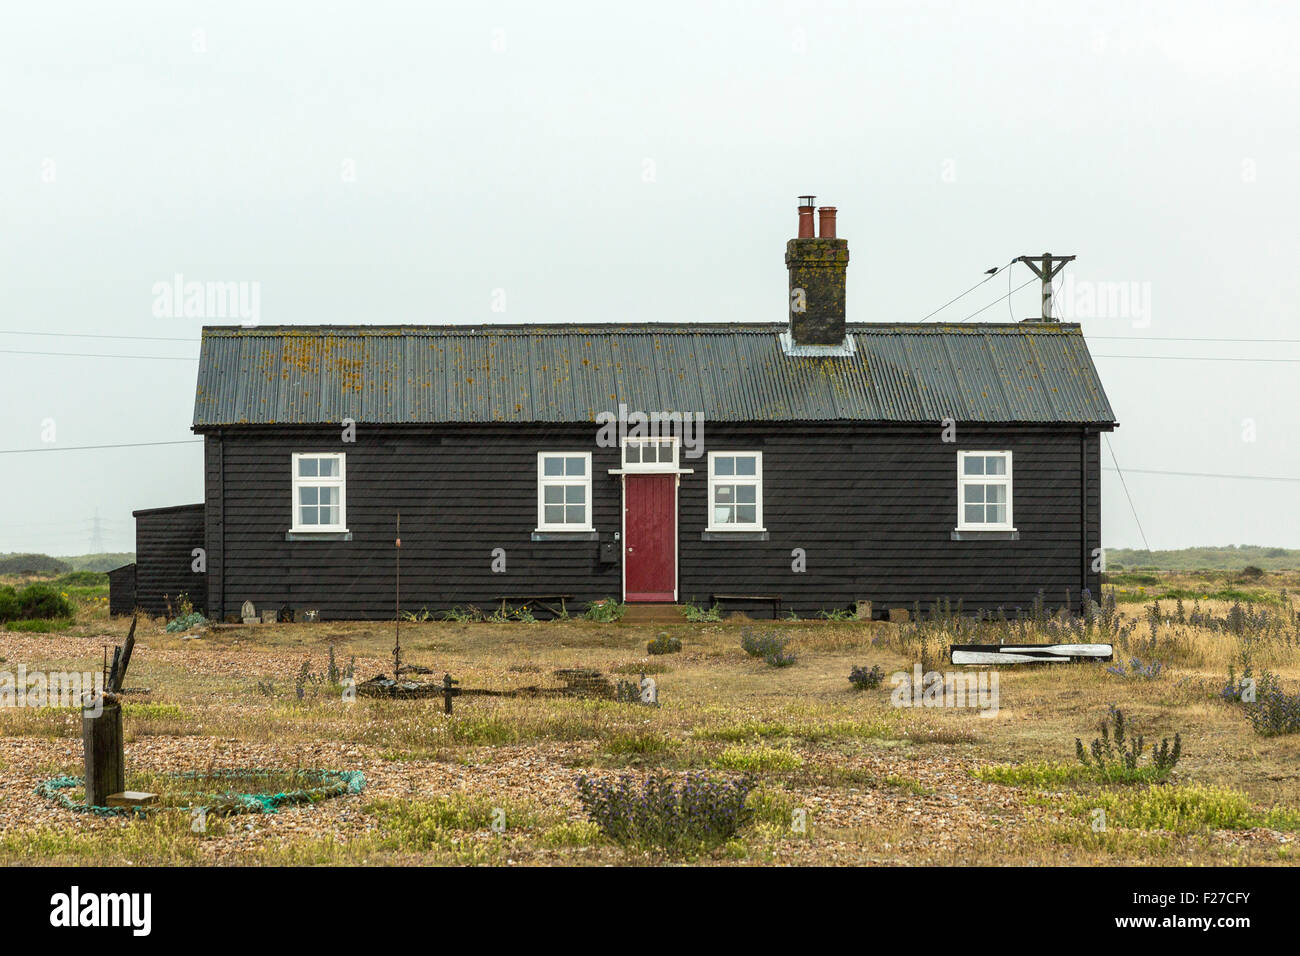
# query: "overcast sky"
{"points": [[398, 162]]}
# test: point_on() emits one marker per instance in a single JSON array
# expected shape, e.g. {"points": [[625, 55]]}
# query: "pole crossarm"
{"points": [[1046, 267]]}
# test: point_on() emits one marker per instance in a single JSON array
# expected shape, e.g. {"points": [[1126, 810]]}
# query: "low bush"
{"points": [[1137, 670], [1121, 758], [36, 601], [771, 647], [664, 644], [607, 611], [758, 758], [682, 815], [701, 615], [864, 679], [1273, 712], [8, 603]]}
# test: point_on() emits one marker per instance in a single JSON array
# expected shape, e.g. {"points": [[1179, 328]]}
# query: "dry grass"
{"points": [[879, 783]]}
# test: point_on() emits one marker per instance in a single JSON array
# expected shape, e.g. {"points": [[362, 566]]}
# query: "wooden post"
{"points": [[101, 740], [446, 693], [397, 596], [1046, 267]]}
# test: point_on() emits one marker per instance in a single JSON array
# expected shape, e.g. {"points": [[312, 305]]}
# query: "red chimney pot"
{"points": [[826, 228], [806, 222]]}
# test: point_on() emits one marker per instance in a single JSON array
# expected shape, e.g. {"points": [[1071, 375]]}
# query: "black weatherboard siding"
{"points": [[121, 590], [165, 539], [872, 505]]}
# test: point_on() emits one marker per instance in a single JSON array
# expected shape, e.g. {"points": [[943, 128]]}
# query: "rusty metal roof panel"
{"points": [[1024, 372]]}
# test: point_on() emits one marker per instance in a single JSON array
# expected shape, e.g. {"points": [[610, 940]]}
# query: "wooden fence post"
{"points": [[446, 693], [101, 740]]}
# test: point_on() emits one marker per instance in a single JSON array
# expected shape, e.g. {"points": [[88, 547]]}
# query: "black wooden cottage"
{"points": [[822, 462]]}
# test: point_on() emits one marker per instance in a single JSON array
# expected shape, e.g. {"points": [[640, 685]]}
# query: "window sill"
{"points": [[989, 534], [737, 535], [318, 536], [588, 535]]}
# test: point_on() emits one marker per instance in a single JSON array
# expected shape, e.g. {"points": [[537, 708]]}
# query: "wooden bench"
{"points": [[547, 601], [773, 599]]}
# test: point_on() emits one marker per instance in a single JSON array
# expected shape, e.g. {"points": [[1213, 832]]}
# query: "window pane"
{"points": [[553, 467], [997, 514], [974, 464], [329, 515], [724, 466], [746, 514], [306, 467], [746, 494], [575, 514], [746, 465], [308, 495], [997, 494], [974, 494], [575, 495], [308, 516], [328, 467], [721, 515], [632, 453], [974, 514], [554, 514], [575, 467], [995, 465], [329, 495], [553, 494], [724, 494]]}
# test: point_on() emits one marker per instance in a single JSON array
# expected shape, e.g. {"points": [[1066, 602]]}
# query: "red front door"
{"points": [[650, 538]]}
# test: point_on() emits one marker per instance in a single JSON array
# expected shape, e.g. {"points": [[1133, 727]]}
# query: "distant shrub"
{"points": [[864, 679], [9, 607], [81, 579], [31, 564], [40, 601], [664, 644], [687, 814], [1251, 572]]}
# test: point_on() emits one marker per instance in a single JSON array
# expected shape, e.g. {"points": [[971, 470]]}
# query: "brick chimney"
{"points": [[818, 267]]}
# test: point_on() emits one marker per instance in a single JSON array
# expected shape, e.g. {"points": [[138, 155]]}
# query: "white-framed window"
{"points": [[984, 491], [650, 454], [319, 491], [735, 491], [564, 491]]}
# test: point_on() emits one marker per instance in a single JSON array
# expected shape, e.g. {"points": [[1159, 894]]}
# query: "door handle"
{"points": [[629, 550]]}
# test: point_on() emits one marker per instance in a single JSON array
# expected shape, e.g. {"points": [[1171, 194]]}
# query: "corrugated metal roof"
{"points": [[563, 373]]}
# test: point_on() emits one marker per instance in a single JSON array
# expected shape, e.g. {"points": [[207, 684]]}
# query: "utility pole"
{"points": [[1046, 267]]}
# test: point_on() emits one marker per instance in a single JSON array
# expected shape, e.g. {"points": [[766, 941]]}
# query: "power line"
{"points": [[95, 335], [167, 358], [138, 444], [1124, 484], [1198, 358], [969, 291], [1205, 474], [999, 299], [1173, 338]]}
